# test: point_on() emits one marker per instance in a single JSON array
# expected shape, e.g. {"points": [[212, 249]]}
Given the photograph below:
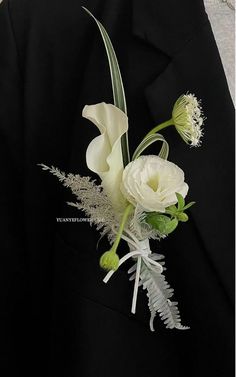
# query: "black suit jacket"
{"points": [[58, 317]]}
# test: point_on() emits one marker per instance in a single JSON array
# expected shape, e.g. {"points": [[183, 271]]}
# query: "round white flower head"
{"points": [[152, 183], [188, 119]]}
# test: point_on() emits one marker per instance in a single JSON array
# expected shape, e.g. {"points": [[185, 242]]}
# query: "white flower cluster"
{"points": [[188, 119]]}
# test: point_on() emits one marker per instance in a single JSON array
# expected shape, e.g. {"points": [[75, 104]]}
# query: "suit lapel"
{"points": [[196, 67]]}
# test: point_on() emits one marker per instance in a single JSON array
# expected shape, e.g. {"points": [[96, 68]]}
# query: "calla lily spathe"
{"points": [[104, 154]]}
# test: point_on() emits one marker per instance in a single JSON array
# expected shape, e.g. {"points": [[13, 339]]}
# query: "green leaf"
{"points": [[189, 205], [171, 210], [147, 141], [162, 223], [181, 201], [171, 226], [117, 84]]}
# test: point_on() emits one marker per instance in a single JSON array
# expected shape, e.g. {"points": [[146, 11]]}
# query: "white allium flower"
{"points": [[188, 119], [152, 182]]}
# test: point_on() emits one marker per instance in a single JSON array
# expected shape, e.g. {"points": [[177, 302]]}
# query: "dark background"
{"points": [[58, 318]]}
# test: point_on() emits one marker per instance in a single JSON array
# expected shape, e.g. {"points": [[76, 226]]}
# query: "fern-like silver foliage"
{"points": [[158, 293]]}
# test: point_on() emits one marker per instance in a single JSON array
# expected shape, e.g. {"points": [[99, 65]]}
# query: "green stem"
{"points": [[125, 149], [121, 228], [160, 127]]}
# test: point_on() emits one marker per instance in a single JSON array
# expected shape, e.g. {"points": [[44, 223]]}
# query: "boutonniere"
{"points": [[139, 198]]}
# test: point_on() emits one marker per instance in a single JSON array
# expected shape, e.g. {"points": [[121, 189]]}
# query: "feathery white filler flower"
{"points": [[188, 119]]}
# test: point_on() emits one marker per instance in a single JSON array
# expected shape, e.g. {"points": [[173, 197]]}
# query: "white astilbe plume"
{"points": [[91, 199]]}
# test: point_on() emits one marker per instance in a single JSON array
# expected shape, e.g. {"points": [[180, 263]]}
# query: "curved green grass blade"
{"points": [[147, 141], [117, 84]]}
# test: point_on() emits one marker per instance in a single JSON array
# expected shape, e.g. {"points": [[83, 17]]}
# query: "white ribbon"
{"points": [[141, 252]]}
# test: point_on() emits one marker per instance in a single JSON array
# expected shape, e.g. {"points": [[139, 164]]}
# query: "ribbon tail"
{"points": [[136, 285], [151, 261]]}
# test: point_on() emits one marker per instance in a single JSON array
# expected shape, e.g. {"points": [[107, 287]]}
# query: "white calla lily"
{"points": [[104, 154]]}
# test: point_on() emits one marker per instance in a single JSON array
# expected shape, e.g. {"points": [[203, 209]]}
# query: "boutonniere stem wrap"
{"points": [[137, 200]]}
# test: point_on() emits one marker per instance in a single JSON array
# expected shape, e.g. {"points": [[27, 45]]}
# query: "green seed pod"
{"points": [[182, 217], [109, 261]]}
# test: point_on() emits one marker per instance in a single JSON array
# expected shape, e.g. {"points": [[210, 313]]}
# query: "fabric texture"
{"points": [[58, 317]]}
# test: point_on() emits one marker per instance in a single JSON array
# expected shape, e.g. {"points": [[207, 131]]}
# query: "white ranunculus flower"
{"points": [[152, 183], [104, 154]]}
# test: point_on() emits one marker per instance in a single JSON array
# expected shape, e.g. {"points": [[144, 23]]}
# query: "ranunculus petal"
{"points": [[152, 183]]}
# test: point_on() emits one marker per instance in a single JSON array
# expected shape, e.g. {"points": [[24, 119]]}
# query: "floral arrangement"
{"points": [[139, 198]]}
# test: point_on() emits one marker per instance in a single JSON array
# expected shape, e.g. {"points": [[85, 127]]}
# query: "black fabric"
{"points": [[58, 318]]}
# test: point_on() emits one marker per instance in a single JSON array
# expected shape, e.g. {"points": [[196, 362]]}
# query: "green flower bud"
{"points": [[182, 217], [109, 261]]}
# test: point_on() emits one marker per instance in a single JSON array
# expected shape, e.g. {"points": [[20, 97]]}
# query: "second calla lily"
{"points": [[104, 154]]}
